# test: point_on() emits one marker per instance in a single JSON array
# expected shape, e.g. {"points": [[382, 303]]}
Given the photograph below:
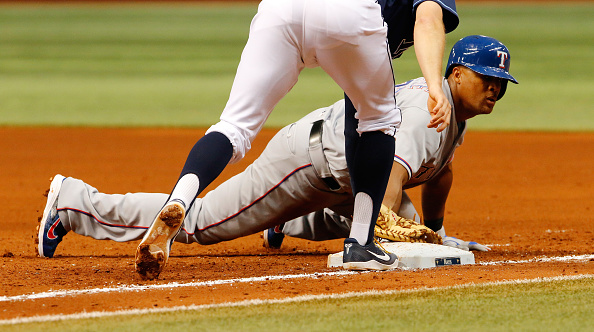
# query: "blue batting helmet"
{"points": [[484, 55]]}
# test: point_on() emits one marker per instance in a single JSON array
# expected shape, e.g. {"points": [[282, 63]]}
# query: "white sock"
{"points": [[362, 218], [441, 232], [186, 189]]}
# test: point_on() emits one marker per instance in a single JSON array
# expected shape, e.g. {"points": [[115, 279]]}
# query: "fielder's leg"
{"points": [[269, 67], [370, 143]]}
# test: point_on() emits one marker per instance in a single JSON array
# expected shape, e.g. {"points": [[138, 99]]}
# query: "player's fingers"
{"points": [[434, 106], [434, 123], [455, 243], [440, 118], [443, 126], [477, 246]]}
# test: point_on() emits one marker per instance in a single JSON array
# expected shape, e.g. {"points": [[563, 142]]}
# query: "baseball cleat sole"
{"points": [[150, 261], [153, 251], [369, 266]]}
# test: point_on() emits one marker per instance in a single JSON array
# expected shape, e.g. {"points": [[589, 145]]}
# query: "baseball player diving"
{"points": [[354, 42], [301, 181]]}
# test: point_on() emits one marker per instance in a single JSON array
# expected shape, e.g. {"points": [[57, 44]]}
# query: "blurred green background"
{"points": [[173, 65]]}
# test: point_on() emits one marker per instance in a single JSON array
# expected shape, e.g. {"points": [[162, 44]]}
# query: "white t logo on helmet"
{"points": [[503, 56]]}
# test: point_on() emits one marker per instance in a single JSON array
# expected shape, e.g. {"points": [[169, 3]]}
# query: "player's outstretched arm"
{"points": [[434, 194], [393, 196], [429, 36]]}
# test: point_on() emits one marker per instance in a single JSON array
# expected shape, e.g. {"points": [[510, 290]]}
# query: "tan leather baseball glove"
{"points": [[392, 227]]}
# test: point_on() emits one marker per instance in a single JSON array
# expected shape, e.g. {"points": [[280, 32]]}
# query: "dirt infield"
{"points": [[527, 194]]}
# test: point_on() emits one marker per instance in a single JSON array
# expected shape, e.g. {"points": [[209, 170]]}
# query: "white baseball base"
{"points": [[418, 255]]}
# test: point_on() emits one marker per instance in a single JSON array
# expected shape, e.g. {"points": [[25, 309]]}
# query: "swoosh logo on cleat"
{"points": [[384, 257], [50, 233]]}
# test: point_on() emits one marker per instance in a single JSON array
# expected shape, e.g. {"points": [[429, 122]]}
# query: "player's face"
{"points": [[479, 92]]}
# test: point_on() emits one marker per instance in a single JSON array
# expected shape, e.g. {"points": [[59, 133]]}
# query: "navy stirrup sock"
{"points": [[207, 159], [371, 170]]}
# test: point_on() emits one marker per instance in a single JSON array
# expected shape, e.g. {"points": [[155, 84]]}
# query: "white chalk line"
{"points": [[301, 298], [544, 260], [136, 288], [210, 283]]}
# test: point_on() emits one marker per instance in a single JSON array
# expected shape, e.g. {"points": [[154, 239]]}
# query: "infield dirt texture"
{"points": [[528, 195], [510, 191]]}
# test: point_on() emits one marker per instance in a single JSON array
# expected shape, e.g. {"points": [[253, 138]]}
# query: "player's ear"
{"points": [[457, 74]]}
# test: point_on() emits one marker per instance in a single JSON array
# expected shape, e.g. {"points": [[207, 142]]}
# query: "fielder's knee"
{"points": [[241, 139]]}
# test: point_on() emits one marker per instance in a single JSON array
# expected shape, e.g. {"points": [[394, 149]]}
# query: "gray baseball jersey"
{"points": [[300, 179]]}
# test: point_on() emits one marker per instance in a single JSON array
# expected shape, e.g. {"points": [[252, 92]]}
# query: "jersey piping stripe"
{"points": [[257, 200], [190, 234], [408, 168], [108, 224], [100, 221]]}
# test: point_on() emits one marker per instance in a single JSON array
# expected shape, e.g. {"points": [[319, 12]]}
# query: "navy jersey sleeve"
{"points": [[450, 16], [399, 15]]}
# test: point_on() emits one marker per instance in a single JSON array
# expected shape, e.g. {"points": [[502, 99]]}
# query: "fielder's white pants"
{"points": [[346, 38]]}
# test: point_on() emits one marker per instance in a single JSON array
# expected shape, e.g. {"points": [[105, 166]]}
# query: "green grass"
{"points": [[129, 65], [173, 65], [544, 306]]}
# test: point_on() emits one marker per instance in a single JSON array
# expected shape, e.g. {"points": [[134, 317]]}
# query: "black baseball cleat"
{"points": [[368, 257]]}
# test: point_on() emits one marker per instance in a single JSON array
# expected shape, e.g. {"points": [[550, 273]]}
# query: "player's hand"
{"points": [[440, 109], [451, 241]]}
